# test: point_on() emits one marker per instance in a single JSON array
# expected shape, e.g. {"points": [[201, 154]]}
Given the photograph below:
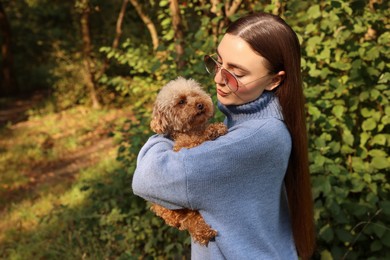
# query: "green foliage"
{"points": [[36, 26], [345, 66], [69, 89]]}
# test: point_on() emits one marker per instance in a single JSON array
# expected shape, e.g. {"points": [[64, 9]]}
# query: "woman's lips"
{"points": [[221, 93]]}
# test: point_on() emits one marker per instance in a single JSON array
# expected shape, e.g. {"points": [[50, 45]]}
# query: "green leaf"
{"points": [[326, 233], [311, 28], [357, 210], [380, 162], [386, 239], [376, 246], [314, 41], [372, 197], [314, 11], [341, 65], [344, 235], [338, 111], [334, 146], [369, 124], [367, 177], [379, 229], [321, 184], [372, 54], [377, 153], [357, 185], [314, 111], [364, 95], [366, 112], [385, 207], [386, 120], [326, 255], [324, 54], [163, 3], [348, 137], [364, 136]]}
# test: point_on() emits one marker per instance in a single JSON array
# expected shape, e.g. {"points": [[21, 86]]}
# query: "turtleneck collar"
{"points": [[267, 105]]}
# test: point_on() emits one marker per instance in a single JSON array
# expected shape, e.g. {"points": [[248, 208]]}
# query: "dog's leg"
{"points": [[200, 231], [215, 130], [188, 141], [173, 218]]}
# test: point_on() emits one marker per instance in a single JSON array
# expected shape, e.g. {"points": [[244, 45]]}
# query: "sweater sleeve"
{"points": [[191, 178], [160, 175]]}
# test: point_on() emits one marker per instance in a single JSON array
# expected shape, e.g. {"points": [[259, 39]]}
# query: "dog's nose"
{"points": [[199, 106]]}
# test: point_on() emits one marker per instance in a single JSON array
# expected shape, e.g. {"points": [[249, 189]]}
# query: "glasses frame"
{"points": [[224, 72]]}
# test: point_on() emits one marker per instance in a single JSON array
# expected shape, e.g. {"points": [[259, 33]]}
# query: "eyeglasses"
{"points": [[231, 80]]}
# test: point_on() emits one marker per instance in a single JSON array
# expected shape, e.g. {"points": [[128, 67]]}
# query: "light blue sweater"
{"points": [[235, 181]]}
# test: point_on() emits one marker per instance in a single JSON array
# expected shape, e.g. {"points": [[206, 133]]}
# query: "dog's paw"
{"points": [[221, 128], [204, 237], [216, 130], [176, 148]]}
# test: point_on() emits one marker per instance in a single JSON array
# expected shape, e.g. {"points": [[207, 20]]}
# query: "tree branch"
{"points": [[179, 36], [7, 81], [232, 9], [87, 51], [118, 33], [148, 22]]}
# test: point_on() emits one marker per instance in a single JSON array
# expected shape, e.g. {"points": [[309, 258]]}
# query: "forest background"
{"points": [[89, 71]]}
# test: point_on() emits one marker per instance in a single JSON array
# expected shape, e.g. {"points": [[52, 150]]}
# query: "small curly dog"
{"points": [[182, 111]]}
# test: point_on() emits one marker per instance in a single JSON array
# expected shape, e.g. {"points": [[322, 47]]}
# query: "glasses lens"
{"points": [[211, 65], [230, 80]]}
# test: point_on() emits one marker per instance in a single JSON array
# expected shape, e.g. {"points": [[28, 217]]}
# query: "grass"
{"points": [[65, 190], [45, 228], [46, 165]]}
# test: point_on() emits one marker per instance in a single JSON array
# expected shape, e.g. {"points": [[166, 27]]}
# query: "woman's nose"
{"points": [[218, 79]]}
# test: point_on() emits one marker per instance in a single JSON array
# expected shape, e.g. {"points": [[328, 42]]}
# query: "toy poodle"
{"points": [[182, 112]]}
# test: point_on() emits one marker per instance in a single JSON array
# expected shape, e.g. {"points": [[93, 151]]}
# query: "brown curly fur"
{"points": [[182, 112]]}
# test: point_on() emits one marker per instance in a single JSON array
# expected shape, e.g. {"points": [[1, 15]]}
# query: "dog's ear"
{"points": [[159, 123]]}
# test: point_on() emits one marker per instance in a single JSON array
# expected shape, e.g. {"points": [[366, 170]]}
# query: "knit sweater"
{"points": [[236, 182]]}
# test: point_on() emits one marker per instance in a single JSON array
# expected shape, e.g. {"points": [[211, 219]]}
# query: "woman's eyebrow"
{"points": [[233, 65]]}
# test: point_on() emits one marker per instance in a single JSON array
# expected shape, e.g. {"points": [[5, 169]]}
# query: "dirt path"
{"points": [[14, 110], [52, 175], [59, 174]]}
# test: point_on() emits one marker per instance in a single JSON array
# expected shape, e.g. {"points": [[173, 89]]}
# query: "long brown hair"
{"points": [[271, 37]]}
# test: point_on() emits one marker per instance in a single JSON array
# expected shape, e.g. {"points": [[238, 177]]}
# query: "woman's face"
{"points": [[236, 56]]}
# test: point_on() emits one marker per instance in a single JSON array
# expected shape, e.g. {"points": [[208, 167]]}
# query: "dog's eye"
{"points": [[182, 101]]}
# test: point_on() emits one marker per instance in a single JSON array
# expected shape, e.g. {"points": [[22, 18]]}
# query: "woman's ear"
{"points": [[276, 80]]}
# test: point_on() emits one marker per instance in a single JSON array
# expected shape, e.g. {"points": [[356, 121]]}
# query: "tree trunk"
{"points": [[178, 29], [119, 22], [218, 13], [87, 52], [149, 24], [118, 33], [230, 8], [7, 80], [279, 8]]}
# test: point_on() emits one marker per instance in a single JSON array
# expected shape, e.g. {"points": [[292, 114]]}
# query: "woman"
{"points": [[251, 185]]}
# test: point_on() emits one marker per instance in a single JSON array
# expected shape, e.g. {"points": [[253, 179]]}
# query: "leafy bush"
{"points": [[345, 65]]}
